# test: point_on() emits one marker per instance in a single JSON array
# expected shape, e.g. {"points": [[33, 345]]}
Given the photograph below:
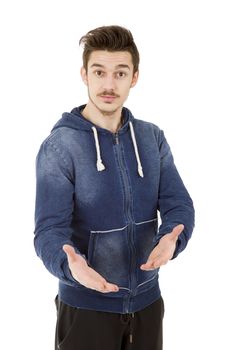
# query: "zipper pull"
{"points": [[116, 138]]}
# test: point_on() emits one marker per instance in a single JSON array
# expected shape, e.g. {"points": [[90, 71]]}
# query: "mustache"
{"points": [[108, 93]]}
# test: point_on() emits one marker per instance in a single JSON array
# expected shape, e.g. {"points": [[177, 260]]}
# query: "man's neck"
{"points": [[111, 122]]}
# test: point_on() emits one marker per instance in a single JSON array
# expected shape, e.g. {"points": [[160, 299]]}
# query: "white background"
{"points": [[185, 87]]}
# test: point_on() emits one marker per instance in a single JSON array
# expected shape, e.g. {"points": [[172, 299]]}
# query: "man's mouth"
{"points": [[108, 98]]}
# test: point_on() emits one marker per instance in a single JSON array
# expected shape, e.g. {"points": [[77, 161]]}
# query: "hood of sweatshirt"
{"points": [[75, 120]]}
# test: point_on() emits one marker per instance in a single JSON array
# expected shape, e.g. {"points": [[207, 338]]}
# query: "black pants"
{"points": [[79, 329]]}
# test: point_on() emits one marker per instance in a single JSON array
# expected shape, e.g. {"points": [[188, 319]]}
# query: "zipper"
{"points": [[128, 209], [116, 138]]}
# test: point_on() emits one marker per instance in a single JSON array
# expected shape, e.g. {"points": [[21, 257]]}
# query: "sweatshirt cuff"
{"points": [[67, 273], [177, 249], [181, 241]]}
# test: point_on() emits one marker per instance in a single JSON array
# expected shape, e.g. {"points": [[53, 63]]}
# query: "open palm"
{"points": [[85, 275]]}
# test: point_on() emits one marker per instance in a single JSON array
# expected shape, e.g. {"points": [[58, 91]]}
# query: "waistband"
{"points": [[123, 302]]}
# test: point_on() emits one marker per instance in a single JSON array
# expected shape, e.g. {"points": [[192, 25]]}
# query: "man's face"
{"points": [[109, 78]]}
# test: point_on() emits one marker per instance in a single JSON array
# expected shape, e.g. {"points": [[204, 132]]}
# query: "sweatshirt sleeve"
{"points": [[175, 204], [53, 210]]}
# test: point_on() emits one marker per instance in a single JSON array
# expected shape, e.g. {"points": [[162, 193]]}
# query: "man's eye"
{"points": [[98, 73], [121, 74]]}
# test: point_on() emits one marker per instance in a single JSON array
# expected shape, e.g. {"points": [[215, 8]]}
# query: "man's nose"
{"points": [[109, 83]]}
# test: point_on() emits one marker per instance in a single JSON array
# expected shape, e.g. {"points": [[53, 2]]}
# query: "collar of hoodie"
{"points": [[99, 164], [71, 120]]}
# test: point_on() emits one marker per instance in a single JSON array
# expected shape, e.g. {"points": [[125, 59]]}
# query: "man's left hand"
{"points": [[164, 251]]}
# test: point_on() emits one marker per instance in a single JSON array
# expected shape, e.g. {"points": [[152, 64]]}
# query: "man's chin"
{"points": [[108, 108]]}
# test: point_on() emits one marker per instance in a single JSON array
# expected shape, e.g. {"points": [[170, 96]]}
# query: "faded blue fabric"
{"points": [[109, 216]]}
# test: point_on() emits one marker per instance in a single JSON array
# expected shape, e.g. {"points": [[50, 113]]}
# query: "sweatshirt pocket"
{"points": [[108, 254], [145, 237]]}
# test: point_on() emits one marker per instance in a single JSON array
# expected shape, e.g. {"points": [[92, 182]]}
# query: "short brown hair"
{"points": [[109, 38]]}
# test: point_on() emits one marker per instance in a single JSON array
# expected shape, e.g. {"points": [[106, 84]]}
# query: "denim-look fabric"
{"points": [[109, 216]]}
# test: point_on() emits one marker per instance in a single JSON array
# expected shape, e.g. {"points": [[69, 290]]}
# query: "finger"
{"points": [[148, 266], [145, 268], [70, 252], [109, 287], [112, 287], [154, 264], [177, 230]]}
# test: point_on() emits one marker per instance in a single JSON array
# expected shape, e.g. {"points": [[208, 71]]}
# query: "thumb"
{"points": [[70, 252], [177, 230]]}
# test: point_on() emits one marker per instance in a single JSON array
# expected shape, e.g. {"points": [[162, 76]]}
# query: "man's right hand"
{"points": [[84, 274]]}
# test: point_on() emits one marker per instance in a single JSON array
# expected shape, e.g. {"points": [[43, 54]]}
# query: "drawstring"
{"points": [[124, 319], [136, 149], [100, 165], [131, 328]]}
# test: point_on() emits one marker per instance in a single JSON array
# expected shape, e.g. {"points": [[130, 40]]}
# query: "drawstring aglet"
{"points": [[140, 172], [100, 165]]}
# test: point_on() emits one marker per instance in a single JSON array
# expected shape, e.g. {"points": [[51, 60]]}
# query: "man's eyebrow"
{"points": [[97, 65], [123, 66], [117, 67]]}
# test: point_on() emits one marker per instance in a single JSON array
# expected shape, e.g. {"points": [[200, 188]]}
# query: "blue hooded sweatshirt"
{"points": [[101, 193]]}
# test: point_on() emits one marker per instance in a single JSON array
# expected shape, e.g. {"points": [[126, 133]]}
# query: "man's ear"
{"points": [[134, 79], [83, 73]]}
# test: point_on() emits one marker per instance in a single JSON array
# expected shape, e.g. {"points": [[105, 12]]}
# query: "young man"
{"points": [[102, 176]]}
